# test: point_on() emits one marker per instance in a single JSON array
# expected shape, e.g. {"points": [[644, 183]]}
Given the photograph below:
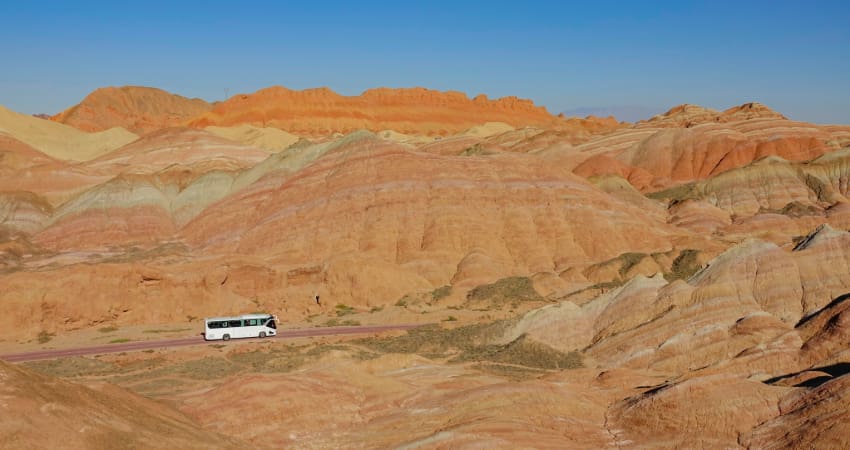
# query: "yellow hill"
{"points": [[62, 141]]}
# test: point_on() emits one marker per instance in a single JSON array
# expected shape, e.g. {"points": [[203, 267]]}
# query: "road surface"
{"points": [[194, 340]]}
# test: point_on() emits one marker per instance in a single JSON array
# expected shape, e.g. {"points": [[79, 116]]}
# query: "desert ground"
{"points": [[678, 282]]}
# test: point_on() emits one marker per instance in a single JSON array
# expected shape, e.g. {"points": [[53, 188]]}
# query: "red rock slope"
{"points": [[413, 111], [691, 143], [138, 109], [44, 412]]}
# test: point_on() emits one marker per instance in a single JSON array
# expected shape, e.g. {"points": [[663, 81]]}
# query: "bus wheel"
{"points": [[262, 334], [226, 337]]}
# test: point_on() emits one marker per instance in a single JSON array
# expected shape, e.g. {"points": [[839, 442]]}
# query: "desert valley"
{"points": [[681, 281]]}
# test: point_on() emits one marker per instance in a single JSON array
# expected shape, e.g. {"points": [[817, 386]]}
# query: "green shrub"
{"points": [[344, 310], [45, 337], [511, 290], [684, 266], [441, 293]]}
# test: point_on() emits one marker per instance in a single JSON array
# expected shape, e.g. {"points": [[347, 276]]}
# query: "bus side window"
{"points": [[252, 322]]}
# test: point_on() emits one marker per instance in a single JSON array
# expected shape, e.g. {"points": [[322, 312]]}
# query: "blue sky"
{"points": [[792, 56]]}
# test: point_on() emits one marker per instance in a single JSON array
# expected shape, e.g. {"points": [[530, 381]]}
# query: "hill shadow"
{"points": [[835, 302], [833, 371]]}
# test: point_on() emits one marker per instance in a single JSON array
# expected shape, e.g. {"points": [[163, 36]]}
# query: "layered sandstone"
{"points": [[271, 139], [136, 108], [410, 111], [370, 205], [712, 314], [153, 186], [178, 147], [748, 296], [45, 412], [61, 141], [690, 143]]}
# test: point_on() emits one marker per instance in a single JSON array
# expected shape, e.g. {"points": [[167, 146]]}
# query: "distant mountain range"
{"points": [[632, 113]]}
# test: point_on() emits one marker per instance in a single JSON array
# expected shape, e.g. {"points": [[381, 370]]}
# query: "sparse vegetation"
{"points": [[310, 318], [376, 309], [606, 285], [512, 290], [676, 194], [119, 341], [108, 329], [201, 369], [525, 352], [342, 323], [450, 319], [798, 209], [402, 302], [629, 260], [434, 341], [472, 343], [164, 330], [344, 310], [45, 337], [441, 293], [510, 371], [159, 386], [474, 150], [282, 359], [819, 187], [74, 366], [684, 266]]}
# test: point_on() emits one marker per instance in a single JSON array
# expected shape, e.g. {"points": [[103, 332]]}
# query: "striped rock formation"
{"points": [[136, 108], [410, 111]]}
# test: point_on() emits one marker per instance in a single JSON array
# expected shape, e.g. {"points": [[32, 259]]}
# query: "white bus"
{"points": [[244, 326]]}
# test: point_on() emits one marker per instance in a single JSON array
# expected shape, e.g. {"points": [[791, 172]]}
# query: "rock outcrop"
{"points": [[690, 143], [61, 141], [322, 111], [45, 412], [135, 108]]}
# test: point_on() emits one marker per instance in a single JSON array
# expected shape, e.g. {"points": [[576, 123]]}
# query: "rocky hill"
{"points": [[136, 108]]}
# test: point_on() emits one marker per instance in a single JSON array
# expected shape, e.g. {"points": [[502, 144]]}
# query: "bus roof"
{"points": [[242, 317]]}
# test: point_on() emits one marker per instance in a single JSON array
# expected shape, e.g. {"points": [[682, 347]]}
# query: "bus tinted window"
{"points": [[235, 323], [271, 324], [251, 322]]}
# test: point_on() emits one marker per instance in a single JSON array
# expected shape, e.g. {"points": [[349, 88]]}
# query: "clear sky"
{"points": [[792, 56]]}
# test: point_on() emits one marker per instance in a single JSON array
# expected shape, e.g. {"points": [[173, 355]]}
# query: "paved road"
{"points": [[194, 340]]}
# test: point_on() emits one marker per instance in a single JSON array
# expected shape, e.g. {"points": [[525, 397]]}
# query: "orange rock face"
{"points": [[138, 109], [370, 206], [696, 264], [16, 155], [44, 412], [690, 143], [412, 111]]}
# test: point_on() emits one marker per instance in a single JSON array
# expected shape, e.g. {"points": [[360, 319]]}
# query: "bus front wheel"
{"points": [[262, 334], [226, 337]]}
